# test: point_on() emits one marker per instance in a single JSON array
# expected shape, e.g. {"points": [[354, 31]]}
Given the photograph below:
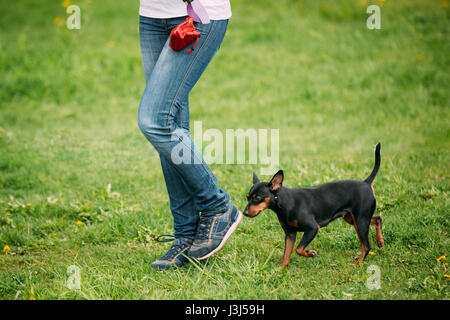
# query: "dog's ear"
{"points": [[277, 181], [255, 179]]}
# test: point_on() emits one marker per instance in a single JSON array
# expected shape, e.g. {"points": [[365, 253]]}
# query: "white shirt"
{"points": [[164, 9]]}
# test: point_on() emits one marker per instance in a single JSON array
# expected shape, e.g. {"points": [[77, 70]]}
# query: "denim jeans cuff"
{"points": [[216, 212], [184, 237]]}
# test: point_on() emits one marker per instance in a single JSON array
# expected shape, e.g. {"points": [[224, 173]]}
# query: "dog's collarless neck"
{"points": [[275, 203]]}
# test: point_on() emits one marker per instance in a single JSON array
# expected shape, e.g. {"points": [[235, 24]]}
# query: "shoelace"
{"points": [[174, 249], [171, 238], [204, 228]]}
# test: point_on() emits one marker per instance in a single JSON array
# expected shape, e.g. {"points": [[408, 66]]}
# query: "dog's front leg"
{"points": [[308, 236], [289, 242]]}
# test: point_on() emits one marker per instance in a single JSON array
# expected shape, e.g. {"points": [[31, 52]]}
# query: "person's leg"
{"points": [[174, 75], [154, 34], [182, 204], [168, 87]]}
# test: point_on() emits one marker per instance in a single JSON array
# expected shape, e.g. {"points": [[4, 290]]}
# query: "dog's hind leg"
{"points": [[362, 230], [376, 222], [348, 217]]}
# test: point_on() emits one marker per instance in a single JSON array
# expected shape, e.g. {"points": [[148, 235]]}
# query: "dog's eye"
{"points": [[258, 198]]}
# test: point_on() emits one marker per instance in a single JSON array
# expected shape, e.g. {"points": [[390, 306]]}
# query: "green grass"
{"points": [[68, 128]]}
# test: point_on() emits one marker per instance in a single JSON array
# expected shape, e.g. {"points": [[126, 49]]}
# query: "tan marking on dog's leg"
{"points": [[377, 222], [306, 253], [289, 246]]}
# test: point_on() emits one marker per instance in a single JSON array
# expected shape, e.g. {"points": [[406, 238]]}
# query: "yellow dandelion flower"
{"points": [[381, 2], [446, 264], [65, 3], [58, 21], [446, 276], [420, 56], [371, 253], [441, 258], [6, 249], [111, 44], [79, 223]]}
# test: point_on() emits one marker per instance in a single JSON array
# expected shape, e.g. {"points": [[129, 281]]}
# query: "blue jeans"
{"points": [[164, 118]]}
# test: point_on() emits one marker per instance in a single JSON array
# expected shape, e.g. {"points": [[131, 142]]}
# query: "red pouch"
{"points": [[184, 34]]}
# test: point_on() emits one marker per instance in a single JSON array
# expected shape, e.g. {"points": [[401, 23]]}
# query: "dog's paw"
{"points": [[312, 253]]}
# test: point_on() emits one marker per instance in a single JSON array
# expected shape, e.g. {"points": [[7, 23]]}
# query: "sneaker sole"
{"points": [[227, 235]]}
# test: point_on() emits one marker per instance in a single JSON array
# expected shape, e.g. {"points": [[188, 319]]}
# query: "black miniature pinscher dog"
{"points": [[308, 209]]}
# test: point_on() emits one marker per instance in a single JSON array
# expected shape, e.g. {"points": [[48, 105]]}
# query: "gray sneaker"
{"points": [[175, 257], [213, 231]]}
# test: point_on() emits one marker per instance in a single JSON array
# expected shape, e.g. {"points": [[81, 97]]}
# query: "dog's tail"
{"points": [[372, 176]]}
